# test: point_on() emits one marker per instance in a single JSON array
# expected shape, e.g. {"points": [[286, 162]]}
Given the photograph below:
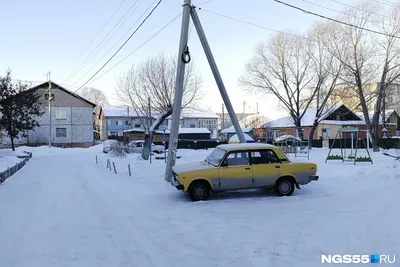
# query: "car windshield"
{"points": [[215, 157]]}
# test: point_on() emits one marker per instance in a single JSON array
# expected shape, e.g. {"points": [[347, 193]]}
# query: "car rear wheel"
{"points": [[199, 191], [284, 187]]}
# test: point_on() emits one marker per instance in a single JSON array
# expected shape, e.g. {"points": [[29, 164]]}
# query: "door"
{"points": [[236, 171], [266, 166]]}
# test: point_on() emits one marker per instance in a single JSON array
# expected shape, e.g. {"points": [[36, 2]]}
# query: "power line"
{"points": [[96, 64], [385, 2], [79, 67], [335, 20], [239, 20], [338, 2], [327, 8], [97, 35], [140, 46], [116, 52]]}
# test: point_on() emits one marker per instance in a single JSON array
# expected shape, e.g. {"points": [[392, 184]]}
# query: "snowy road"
{"points": [[64, 210]]}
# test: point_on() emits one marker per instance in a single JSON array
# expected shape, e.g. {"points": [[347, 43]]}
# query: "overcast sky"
{"points": [[43, 35]]}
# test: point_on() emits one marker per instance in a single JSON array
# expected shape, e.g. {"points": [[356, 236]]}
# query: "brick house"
{"points": [[329, 124]]}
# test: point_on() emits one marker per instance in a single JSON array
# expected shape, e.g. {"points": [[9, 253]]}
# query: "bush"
{"points": [[117, 150]]}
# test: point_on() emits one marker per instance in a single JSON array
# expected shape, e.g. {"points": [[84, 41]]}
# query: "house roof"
{"points": [[197, 113], [232, 130], [308, 118], [56, 86]]}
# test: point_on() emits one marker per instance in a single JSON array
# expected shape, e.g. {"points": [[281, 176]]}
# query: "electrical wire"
{"points": [[105, 64], [130, 29], [79, 67], [140, 46], [327, 8], [335, 20], [338, 2], [239, 20], [97, 35]]}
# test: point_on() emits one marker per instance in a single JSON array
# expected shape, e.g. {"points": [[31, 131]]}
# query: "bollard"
{"points": [[97, 162], [129, 169], [115, 170]]}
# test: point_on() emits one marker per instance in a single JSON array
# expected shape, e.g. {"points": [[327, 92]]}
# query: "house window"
{"points": [[46, 96], [277, 133], [116, 122], [192, 125], [113, 133], [61, 132], [137, 125], [61, 114], [126, 122]]}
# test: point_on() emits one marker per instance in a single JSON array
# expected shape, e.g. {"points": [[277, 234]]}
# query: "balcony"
{"points": [[118, 127]]}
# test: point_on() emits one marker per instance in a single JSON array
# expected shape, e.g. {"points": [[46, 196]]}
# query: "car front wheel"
{"points": [[284, 187], [199, 191]]}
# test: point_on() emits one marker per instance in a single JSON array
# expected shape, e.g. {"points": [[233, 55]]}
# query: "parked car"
{"points": [[242, 166], [137, 147], [108, 144]]}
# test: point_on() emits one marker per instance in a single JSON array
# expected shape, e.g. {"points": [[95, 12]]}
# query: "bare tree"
{"points": [[254, 121], [327, 70], [149, 88], [282, 67], [367, 57], [95, 95]]}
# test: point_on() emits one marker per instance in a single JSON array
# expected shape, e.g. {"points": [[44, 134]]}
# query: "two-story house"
{"points": [[198, 118], [69, 124], [115, 120]]}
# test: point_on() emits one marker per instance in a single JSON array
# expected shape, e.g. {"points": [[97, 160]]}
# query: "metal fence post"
{"points": [[115, 170], [129, 169], [97, 162]]}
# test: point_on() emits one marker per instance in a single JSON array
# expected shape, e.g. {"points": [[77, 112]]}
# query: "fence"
{"points": [[11, 171]]}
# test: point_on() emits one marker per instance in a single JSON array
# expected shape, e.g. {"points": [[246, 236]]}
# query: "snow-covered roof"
{"points": [[197, 113], [284, 137], [232, 130], [122, 112], [235, 138], [307, 120]]}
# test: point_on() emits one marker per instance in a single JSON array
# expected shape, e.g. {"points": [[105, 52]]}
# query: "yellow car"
{"points": [[242, 166]]}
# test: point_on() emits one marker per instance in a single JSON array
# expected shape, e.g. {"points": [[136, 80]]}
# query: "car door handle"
{"points": [[277, 167], [247, 169]]}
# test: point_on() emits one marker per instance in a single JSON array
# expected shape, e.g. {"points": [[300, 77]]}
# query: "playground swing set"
{"points": [[352, 156]]}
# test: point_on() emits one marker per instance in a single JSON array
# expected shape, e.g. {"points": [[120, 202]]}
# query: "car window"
{"points": [[237, 158], [138, 144], [264, 157], [216, 157]]}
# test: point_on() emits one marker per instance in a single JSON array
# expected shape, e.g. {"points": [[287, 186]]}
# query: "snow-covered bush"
{"points": [[117, 150]]}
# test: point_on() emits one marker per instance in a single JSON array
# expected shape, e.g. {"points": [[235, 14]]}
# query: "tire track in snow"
{"points": [[145, 248]]}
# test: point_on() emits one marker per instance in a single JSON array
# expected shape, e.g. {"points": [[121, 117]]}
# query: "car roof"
{"points": [[245, 146]]}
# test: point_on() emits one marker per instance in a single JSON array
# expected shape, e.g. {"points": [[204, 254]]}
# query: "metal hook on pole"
{"points": [[186, 55]]}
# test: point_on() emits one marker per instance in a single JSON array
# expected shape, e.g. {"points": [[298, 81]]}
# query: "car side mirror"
{"points": [[224, 164]]}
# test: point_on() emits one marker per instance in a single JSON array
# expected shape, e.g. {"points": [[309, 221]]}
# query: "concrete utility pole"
{"points": [[184, 58], [176, 114], [217, 76], [49, 100], [223, 118]]}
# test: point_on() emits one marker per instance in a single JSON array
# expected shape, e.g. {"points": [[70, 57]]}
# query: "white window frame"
{"points": [[61, 114]]}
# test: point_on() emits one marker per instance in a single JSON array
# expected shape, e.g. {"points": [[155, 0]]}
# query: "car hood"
{"points": [[192, 166]]}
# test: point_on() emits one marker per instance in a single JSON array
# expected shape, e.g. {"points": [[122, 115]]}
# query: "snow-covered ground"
{"points": [[8, 158], [63, 209]]}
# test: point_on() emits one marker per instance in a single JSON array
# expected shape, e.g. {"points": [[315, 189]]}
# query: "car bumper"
{"points": [[314, 178], [175, 182]]}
